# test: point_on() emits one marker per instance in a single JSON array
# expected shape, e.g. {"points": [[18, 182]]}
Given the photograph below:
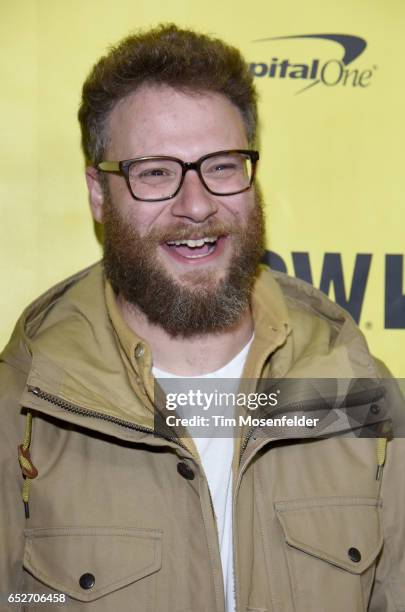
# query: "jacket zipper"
{"points": [[368, 397], [73, 408], [245, 443]]}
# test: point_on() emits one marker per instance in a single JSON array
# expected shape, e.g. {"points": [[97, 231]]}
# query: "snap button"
{"points": [[375, 408], [354, 554], [139, 351], [185, 471], [87, 581]]}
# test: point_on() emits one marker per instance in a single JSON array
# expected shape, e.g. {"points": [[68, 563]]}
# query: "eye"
{"points": [[224, 165], [221, 168], [151, 172]]}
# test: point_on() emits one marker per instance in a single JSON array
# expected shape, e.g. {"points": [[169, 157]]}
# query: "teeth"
{"points": [[193, 243]]}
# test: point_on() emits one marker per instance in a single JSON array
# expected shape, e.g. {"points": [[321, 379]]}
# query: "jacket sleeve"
{"points": [[388, 593], [12, 517]]}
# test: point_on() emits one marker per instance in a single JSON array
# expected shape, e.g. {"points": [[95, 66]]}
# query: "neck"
{"points": [[192, 356]]}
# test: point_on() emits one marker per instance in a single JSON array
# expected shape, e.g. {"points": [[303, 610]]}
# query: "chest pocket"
{"points": [[331, 547], [108, 566]]}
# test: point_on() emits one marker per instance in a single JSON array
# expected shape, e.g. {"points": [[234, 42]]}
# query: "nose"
{"points": [[193, 201]]}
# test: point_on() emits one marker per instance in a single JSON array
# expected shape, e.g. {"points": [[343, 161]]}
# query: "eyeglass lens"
{"points": [[160, 178]]}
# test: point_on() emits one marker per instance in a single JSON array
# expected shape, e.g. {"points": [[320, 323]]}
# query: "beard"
{"points": [[196, 302]]}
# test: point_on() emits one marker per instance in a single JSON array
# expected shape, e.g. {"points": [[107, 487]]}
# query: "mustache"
{"points": [[193, 231]]}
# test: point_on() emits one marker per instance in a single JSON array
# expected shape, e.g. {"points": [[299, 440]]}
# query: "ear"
{"points": [[96, 194]]}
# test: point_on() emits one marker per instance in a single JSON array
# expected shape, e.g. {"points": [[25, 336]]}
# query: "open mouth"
{"points": [[196, 248]]}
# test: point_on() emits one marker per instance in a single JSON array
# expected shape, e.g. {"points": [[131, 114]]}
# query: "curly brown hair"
{"points": [[165, 55]]}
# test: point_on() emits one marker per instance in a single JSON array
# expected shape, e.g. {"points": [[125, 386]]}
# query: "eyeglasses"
{"points": [[154, 178]]}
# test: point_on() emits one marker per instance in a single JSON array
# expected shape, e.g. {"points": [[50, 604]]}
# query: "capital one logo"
{"points": [[340, 69]]}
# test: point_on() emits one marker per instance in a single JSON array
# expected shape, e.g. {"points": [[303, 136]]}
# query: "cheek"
{"points": [[240, 206], [146, 217]]}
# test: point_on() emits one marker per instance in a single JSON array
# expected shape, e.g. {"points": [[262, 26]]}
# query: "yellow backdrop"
{"points": [[332, 152]]}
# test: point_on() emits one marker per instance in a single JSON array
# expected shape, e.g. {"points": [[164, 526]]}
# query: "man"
{"points": [[106, 505]]}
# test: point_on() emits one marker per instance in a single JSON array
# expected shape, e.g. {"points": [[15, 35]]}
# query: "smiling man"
{"points": [[102, 506]]}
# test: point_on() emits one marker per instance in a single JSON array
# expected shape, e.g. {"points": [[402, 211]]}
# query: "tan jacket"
{"points": [[120, 519]]}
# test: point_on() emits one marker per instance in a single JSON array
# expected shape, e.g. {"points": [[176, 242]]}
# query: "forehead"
{"points": [[160, 120]]}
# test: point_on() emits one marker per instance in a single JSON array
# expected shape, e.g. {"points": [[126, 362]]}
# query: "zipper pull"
{"points": [[381, 453], [28, 469]]}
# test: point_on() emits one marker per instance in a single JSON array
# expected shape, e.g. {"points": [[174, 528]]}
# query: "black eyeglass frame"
{"points": [[122, 168]]}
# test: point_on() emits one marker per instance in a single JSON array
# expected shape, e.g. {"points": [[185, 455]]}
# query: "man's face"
{"points": [[186, 290]]}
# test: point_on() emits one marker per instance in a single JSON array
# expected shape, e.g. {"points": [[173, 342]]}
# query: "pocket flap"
{"points": [[343, 531], [114, 557]]}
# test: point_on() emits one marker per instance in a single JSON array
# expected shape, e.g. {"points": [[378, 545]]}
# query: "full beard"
{"points": [[197, 303]]}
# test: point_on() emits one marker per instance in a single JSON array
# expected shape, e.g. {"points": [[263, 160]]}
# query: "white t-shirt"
{"points": [[216, 456]]}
